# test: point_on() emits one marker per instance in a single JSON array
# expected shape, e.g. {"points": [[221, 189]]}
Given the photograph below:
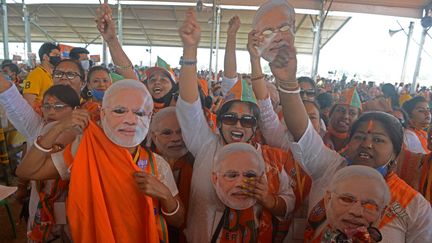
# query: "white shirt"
{"points": [[412, 142], [205, 208], [321, 162]]}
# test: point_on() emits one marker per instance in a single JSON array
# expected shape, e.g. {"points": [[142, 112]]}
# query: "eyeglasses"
{"points": [[122, 111], [307, 92], [56, 107], [369, 207], [269, 32], [69, 75], [247, 121], [233, 175]]}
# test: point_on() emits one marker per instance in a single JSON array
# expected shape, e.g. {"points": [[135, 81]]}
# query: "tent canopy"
{"points": [[154, 23]]}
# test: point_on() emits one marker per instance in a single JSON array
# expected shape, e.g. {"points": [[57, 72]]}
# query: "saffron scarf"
{"points": [[104, 203]]}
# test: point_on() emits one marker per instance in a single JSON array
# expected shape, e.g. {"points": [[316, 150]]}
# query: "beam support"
{"points": [[27, 33], [409, 37], [5, 30], [120, 22], [218, 23]]}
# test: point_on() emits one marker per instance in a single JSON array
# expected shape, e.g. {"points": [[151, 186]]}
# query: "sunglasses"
{"points": [[56, 107], [307, 92], [246, 121]]}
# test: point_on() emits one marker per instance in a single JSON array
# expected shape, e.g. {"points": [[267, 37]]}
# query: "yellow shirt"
{"points": [[37, 82]]}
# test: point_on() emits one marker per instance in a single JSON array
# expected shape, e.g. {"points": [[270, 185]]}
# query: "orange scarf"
{"points": [[104, 203], [185, 167], [331, 135], [401, 195], [425, 185], [422, 136], [94, 108]]}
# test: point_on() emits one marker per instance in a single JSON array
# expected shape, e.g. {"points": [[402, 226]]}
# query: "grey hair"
{"points": [[234, 148], [161, 115], [272, 4], [364, 172], [127, 84]]}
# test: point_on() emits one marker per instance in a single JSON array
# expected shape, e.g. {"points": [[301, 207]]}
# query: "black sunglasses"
{"points": [[308, 92], [246, 121]]}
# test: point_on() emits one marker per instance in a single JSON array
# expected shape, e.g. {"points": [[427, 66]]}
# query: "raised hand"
{"points": [[190, 31], [284, 66], [233, 25], [254, 40], [78, 120], [105, 23]]}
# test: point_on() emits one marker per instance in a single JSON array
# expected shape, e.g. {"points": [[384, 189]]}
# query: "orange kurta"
{"points": [[104, 203]]}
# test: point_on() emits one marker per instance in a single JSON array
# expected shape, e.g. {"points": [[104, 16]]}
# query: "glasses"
{"points": [[269, 32], [369, 207], [122, 111], [69, 75], [246, 121], [307, 92], [233, 175], [56, 107]]}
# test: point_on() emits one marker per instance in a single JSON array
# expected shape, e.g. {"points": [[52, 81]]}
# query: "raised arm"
{"points": [[106, 27], [258, 84], [284, 68], [37, 164], [190, 34], [230, 62]]}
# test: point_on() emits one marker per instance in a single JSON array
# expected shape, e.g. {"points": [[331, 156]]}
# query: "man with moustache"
{"points": [[167, 141]]}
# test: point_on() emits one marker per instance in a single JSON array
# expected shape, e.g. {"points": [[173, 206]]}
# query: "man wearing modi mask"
{"points": [[355, 201], [238, 166], [118, 190]]}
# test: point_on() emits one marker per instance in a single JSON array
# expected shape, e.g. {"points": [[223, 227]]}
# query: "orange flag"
{"points": [[104, 203]]}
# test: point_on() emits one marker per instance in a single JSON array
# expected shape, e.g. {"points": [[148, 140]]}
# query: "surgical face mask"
{"points": [[98, 94], [85, 64], [54, 60]]}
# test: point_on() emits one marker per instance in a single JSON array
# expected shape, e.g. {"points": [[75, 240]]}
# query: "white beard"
{"points": [[140, 133]]}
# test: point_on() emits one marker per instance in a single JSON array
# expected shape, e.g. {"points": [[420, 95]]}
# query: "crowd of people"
{"points": [[121, 154]]}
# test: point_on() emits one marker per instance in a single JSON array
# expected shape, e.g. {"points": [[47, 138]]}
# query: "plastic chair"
{"points": [[9, 212]]}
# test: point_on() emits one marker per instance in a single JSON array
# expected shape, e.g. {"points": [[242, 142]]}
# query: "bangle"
{"points": [[173, 212], [40, 147], [257, 77], [123, 67], [285, 91], [184, 62]]}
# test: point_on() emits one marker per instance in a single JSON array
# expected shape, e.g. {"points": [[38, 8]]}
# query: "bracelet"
{"points": [[123, 67], [40, 147], [172, 213], [184, 62], [257, 77], [285, 91]]}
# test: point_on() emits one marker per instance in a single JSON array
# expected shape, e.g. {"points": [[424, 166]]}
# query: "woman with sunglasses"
{"points": [[375, 140], [236, 122]]}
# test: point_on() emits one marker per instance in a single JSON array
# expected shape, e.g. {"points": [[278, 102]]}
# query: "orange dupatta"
{"points": [[104, 203], [422, 136]]}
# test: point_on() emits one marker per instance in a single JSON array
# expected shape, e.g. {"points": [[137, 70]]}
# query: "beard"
{"points": [[234, 203], [141, 131]]}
